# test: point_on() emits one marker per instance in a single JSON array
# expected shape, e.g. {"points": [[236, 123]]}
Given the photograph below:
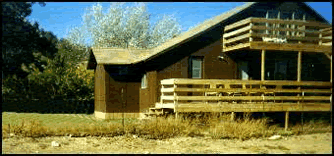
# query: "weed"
{"points": [[282, 148], [214, 126], [310, 152]]}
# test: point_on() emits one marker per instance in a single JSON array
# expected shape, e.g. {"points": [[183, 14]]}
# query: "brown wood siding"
{"points": [[212, 68], [108, 94], [100, 98], [132, 97], [129, 101], [148, 95]]}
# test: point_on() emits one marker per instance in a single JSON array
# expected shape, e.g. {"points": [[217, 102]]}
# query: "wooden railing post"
{"points": [[162, 94], [250, 32], [278, 25], [267, 24], [293, 26], [232, 116], [304, 27]]}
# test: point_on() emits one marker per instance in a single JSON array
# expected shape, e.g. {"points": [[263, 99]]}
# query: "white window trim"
{"points": [[144, 82], [200, 69]]}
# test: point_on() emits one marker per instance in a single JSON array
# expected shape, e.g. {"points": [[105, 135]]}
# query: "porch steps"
{"points": [[157, 111]]}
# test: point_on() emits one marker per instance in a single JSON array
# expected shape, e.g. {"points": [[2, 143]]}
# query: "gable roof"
{"points": [[128, 56], [132, 56]]}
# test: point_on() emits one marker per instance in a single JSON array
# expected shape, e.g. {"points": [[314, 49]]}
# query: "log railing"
{"points": [[245, 94], [277, 30]]}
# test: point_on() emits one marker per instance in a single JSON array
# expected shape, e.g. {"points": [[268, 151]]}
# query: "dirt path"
{"points": [[313, 143]]}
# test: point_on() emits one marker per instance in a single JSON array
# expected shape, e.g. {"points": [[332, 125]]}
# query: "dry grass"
{"points": [[159, 128]]}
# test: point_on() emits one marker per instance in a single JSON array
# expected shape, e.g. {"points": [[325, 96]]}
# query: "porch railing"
{"points": [[277, 30], [326, 36], [250, 94]]}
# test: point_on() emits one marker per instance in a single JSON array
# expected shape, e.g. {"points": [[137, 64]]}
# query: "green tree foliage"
{"points": [[60, 80], [124, 27], [20, 38], [39, 67]]}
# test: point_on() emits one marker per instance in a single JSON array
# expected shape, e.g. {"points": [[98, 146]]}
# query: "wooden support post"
{"points": [[286, 120], [262, 64], [299, 66], [232, 116]]}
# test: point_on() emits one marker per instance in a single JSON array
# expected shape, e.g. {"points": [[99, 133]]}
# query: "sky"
{"points": [[59, 17]]}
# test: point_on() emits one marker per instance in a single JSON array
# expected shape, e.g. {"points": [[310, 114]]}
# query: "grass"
{"points": [[216, 127]]}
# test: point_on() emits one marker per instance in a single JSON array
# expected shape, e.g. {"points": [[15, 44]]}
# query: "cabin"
{"points": [[259, 57]]}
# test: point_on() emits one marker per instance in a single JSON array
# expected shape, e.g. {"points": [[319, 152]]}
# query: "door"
{"points": [[243, 68]]}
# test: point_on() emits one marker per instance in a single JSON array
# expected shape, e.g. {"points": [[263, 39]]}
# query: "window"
{"points": [[196, 69], [144, 81]]}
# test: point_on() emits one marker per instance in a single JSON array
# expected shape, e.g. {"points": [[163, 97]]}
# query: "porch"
{"points": [[278, 34], [216, 95]]}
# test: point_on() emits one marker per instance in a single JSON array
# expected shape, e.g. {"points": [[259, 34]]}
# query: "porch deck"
{"points": [[278, 34], [216, 95]]}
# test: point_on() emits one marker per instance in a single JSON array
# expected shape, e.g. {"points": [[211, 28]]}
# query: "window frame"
{"points": [[191, 69], [144, 82]]}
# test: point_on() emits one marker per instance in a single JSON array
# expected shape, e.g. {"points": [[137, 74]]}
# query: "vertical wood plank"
{"points": [[304, 20], [162, 94], [267, 24], [286, 120], [232, 116], [299, 66], [263, 64], [293, 26], [278, 25], [250, 32]]}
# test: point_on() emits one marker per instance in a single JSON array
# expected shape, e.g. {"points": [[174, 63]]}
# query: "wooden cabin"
{"points": [[259, 57]]}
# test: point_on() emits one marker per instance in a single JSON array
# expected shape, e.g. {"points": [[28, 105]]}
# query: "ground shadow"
{"points": [[278, 118], [49, 106]]}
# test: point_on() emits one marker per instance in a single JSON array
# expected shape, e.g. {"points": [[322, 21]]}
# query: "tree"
{"points": [[123, 27], [20, 38]]}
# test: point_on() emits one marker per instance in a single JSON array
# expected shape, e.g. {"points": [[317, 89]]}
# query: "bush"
{"points": [[58, 88]]}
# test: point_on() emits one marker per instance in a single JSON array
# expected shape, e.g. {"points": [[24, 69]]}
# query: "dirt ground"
{"points": [[312, 143]]}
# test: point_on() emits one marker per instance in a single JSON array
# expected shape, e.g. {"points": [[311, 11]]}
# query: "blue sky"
{"points": [[58, 17]]}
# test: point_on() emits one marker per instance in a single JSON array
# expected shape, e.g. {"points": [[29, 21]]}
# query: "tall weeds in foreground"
{"points": [[163, 128]]}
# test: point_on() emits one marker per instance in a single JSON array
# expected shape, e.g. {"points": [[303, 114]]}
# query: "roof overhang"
{"points": [[118, 56]]}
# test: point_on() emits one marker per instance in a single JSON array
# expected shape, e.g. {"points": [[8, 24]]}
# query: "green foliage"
{"points": [[123, 26], [20, 38], [57, 79]]}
